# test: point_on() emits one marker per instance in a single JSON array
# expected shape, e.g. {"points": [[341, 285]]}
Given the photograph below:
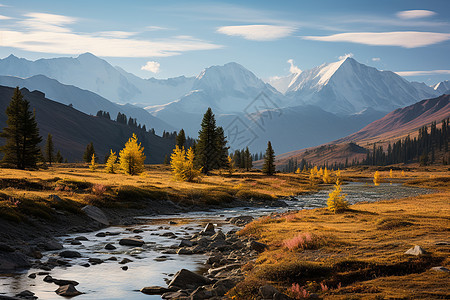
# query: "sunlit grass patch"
{"points": [[304, 241]]}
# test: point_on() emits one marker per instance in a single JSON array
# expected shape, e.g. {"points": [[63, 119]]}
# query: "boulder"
{"points": [[110, 246], [175, 295], [241, 220], [229, 267], [48, 278], [184, 251], [26, 294], [68, 291], [203, 292], [70, 254], [257, 246], [185, 279], [440, 269], [156, 290], [50, 245], [131, 242], [267, 291], [208, 230], [96, 214], [13, 260], [218, 236], [416, 250], [95, 261], [186, 243], [62, 282], [125, 261], [223, 286]]}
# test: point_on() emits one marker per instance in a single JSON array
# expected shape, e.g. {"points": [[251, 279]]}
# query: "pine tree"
{"points": [[89, 152], [248, 160], [21, 134], [206, 149], [181, 139], [132, 157], [111, 165], [49, 149], [269, 161], [59, 159], [221, 148]]}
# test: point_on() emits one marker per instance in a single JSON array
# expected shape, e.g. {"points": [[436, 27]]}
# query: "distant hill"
{"points": [[72, 130], [392, 127], [84, 100]]}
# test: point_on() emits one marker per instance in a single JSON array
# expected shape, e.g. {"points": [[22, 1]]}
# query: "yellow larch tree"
{"points": [[231, 168], [131, 158], [326, 176], [376, 178], [111, 166], [182, 164], [93, 165], [336, 199]]}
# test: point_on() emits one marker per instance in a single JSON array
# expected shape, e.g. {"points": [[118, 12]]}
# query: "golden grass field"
{"points": [[358, 254]]}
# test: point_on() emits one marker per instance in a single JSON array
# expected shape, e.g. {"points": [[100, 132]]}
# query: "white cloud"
{"points": [[258, 32], [415, 14], [293, 68], [345, 56], [5, 17], [155, 28], [376, 59], [151, 66], [406, 39], [48, 33], [423, 73]]}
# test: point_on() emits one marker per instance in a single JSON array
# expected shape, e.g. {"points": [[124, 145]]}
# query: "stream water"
{"points": [[153, 262]]}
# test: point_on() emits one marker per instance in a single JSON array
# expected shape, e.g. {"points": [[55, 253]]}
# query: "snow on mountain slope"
{"points": [[282, 83], [347, 87], [226, 89], [442, 87], [96, 75], [83, 100]]}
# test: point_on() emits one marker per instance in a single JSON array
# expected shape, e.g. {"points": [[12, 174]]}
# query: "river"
{"points": [[154, 262]]}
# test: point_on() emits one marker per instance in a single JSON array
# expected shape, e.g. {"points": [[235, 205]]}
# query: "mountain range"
{"points": [[310, 108]]}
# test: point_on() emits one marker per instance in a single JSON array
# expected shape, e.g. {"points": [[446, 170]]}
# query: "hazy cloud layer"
{"points": [[415, 14], [49, 33], [406, 39], [258, 32], [422, 73]]}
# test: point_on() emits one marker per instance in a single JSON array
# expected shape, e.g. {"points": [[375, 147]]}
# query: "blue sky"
{"points": [[171, 38]]}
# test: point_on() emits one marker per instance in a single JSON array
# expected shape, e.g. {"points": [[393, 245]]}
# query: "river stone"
{"points": [[13, 260], [267, 291], [223, 286], [208, 230], [131, 242], [70, 254], [26, 294], [75, 242], [440, 269], [257, 246], [184, 251], [96, 214], [185, 279], [67, 291], [62, 282], [110, 246], [124, 268], [241, 220], [218, 236], [175, 295], [186, 243], [229, 267], [82, 238], [416, 250], [95, 261], [48, 278], [101, 234], [125, 261], [155, 290]]}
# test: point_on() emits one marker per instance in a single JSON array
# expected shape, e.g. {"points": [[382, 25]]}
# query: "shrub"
{"points": [[299, 292], [98, 189], [303, 241], [336, 200]]}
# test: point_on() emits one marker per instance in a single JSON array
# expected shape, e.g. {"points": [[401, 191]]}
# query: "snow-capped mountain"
{"points": [[282, 83], [83, 100], [347, 87], [227, 89], [442, 87], [89, 72]]}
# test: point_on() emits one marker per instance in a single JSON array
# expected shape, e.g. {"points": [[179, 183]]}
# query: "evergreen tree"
{"points": [[89, 152], [21, 134], [210, 148], [49, 150], [181, 139], [132, 157], [59, 159], [221, 148], [269, 161], [248, 159]]}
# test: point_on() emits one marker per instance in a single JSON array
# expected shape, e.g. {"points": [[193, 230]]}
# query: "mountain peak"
{"points": [[87, 55]]}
